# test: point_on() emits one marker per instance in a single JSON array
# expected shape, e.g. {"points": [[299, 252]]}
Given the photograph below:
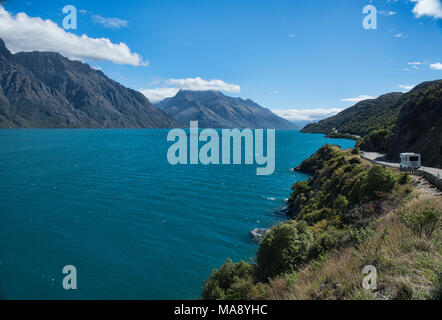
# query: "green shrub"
{"points": [[324, 242], [341, 203], [404, 178], [376, 139], [368, 185], [380, 179], [301, 187], [355, 150], [260, 291], [357, 193], [232, 281], [283, 249], [404, 292], [422, 223], [359, 236]]}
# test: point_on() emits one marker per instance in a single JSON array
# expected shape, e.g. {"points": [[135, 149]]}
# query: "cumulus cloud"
{"points": [[406, 87], [158, 94], [112, 23], [431, 8], [358, 99], [306, 114], [193, 84], [198, 84], [24, 33], [436, 66]]}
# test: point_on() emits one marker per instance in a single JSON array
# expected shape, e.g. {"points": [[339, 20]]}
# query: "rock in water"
{"points": [[258, 234]]}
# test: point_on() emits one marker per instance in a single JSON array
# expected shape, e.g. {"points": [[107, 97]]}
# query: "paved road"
{"points": [[381, 159]]}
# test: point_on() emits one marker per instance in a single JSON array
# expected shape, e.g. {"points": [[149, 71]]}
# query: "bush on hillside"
{"points": [[380, 179], [232, 281], [369, 185], [404, 178], [283, 249], [424, 222]]}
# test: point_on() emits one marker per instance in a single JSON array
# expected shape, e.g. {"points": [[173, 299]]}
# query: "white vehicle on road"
{"points": [[410, 161]]}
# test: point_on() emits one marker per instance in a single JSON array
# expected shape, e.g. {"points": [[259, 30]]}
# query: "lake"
{"points": [[134, 226]]}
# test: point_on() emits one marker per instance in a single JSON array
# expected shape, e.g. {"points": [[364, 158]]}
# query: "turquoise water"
{"points": [[135, 227]]}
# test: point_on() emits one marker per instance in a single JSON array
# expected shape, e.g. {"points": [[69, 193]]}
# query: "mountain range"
{"points": [[47, 90], [213, 109]]}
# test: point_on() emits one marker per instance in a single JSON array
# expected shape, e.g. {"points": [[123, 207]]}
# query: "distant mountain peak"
{"points": [[196, 93], [213, 109]]}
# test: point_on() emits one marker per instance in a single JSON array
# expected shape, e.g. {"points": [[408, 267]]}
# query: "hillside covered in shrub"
{"points": [[348, 215], [362, 118]]}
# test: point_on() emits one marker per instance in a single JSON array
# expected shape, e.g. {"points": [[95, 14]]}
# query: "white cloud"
{"points": [[112, 23], [358, 99], [198, 84], [24, 33], [156, 95], [436, 66], [387, 13], [193, 84], [399, 35], [406, 87], [292, 35], [306, 114], [415, 65], [431, 8]]}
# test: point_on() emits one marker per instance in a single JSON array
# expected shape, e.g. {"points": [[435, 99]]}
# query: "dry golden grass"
{"points": [[408, 266]]}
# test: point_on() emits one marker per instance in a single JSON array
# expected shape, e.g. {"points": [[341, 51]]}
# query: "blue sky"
{"points": [[308, 55]]}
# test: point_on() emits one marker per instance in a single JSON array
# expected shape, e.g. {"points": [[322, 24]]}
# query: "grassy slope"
{"points": [[352, 212], [408, 266]]}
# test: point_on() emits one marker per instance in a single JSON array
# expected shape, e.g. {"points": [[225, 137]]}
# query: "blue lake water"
{"points": [[134, 226]]}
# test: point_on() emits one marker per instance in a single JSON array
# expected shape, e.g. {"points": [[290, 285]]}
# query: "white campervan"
{"points": [[410, 161]]}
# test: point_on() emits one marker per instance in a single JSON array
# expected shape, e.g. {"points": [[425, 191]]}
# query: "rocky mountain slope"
{"points": [[47, 90], [419, 125], [213, 109], [394, 123]]}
